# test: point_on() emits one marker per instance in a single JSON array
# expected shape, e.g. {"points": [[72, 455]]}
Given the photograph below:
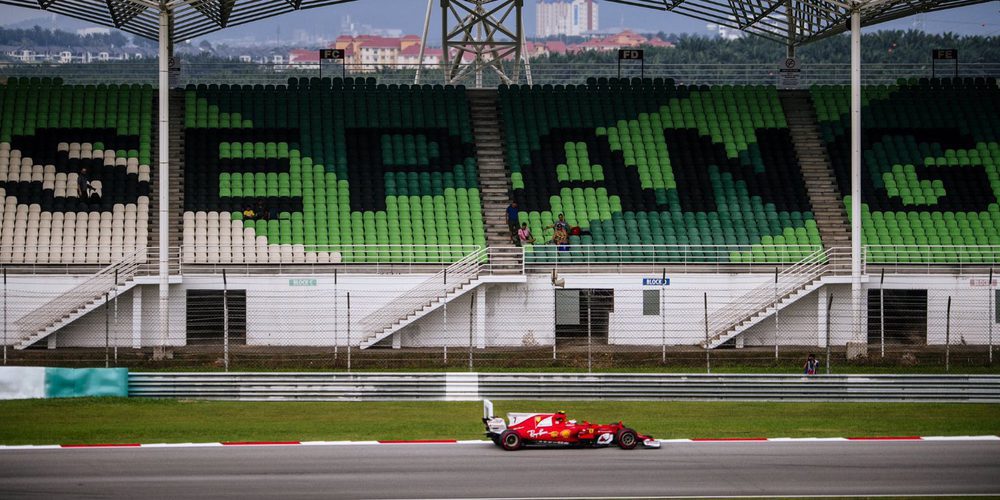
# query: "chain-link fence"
{"points": [[899, 324]]}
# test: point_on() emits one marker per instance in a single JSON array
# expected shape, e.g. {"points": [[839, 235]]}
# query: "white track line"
{"points": [[811, 495]]}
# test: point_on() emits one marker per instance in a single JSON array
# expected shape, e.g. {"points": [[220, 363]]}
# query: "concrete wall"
{"points": [[281, 314]]}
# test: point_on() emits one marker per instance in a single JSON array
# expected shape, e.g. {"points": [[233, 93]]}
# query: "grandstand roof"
{"points": [[812, 19]]}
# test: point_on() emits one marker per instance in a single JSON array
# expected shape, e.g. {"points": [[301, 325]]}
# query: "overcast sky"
{"points": [[407, 15]]}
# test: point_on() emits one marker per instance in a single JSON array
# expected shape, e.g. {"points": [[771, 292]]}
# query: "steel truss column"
{"points": [[488, 30], [423, 42], [790, 16]]}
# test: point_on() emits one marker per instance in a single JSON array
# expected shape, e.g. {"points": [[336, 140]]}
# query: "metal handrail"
{"points": [[934, 255], [700, 256], [926, 259]]}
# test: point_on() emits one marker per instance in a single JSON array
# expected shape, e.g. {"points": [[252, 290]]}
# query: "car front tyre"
{"points": [[627, 439], [510, 440]]}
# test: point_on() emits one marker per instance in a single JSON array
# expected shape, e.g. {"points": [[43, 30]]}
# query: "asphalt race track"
{"points": [[483, 471]]}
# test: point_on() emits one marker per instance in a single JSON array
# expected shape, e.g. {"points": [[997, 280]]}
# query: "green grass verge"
{"points": [[106, 420]]}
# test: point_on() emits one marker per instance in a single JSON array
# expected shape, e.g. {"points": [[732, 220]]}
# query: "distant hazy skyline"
{"points": [[408, 16]]}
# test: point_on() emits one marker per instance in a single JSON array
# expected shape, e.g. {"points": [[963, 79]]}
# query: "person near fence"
{"points": [[524, 235], [812, 364], [512, 221]]}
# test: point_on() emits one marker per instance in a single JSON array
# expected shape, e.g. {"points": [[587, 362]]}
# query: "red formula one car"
{"points": [[555, 429]]}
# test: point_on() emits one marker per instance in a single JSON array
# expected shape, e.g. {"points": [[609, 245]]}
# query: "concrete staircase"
{"points": [[176, 189], [487, 265], [79, 300], [494, 180], [765, 312], [426, 308], [31, 337], [821, 184], [793, 283]]}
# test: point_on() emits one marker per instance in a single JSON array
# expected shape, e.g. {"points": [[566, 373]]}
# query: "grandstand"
{"points": [[49, 132], [296, 196], [945, 129], [645, 163], [347, 171]]}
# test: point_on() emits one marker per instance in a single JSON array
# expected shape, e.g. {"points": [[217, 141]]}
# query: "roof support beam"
{"points": [[813, 19]]}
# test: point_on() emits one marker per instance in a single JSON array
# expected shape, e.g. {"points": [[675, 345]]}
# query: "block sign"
{"points": [[655, 281], [302, 282], [630, 54], [982, 282], [944, 54], [331, 53]]}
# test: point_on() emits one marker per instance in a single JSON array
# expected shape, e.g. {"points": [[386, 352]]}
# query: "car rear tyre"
{"points": [[627, 439], [510, 440]]}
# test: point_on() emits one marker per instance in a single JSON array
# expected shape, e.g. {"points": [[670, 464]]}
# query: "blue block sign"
{"points": [[655, 281]]}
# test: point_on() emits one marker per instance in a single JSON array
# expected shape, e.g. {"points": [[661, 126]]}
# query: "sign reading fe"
{"points": [[944, 54], [630, 54], [331, 53]]}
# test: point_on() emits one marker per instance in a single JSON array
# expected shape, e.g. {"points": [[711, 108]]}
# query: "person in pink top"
{"points": [[524, 234]]}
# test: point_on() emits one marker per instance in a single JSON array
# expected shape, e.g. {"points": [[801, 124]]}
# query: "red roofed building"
{"points": [[536, 49], [367, 52], [410, 56], [303, 57], [370, 52], [376, 51], [625, 39]]}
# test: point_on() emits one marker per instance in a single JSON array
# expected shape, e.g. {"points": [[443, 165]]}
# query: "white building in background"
{"points": [[565, 17]]}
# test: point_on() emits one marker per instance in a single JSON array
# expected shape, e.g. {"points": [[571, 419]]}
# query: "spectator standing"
{"points": [[512, 221]]}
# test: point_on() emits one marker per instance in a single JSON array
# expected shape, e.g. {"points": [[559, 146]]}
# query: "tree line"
{"points": [[879, 47], [41, 37]]}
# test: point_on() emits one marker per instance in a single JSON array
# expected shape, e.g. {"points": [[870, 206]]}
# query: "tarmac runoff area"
{"points": [[684, 468]]}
